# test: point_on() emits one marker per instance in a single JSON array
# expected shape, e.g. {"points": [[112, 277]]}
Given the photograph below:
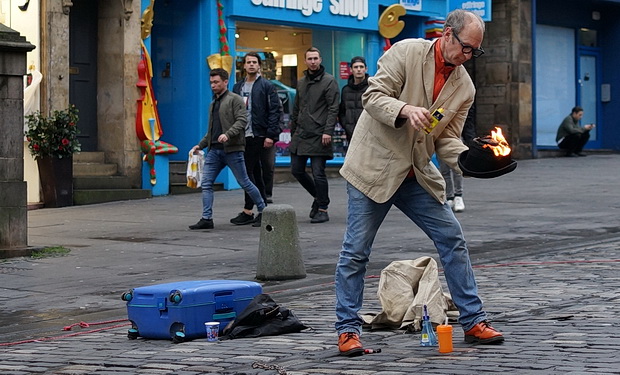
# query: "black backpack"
{"points": [[262, 317]]}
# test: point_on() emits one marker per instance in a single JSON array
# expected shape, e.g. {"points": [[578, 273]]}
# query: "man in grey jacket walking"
{"points": [[312, 125]]}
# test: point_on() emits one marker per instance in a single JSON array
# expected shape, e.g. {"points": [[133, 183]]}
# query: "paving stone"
{"points": [[531, 304]]}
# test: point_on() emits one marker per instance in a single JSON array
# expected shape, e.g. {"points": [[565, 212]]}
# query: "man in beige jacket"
{"points": [[389, 163]]}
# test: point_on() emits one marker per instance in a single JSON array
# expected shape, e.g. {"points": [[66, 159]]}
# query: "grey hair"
{"points": [[459, 18]]}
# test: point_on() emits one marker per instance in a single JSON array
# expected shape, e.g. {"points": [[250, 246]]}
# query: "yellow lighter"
{"points": [[435, 118]]}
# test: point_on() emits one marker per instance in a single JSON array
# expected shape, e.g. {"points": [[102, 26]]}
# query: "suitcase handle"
{"points": [[224, 302], [225, 316]]}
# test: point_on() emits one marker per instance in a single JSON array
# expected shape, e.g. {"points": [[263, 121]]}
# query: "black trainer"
{"points": [[203, 224], [257, 221], [242, 219], [314, 210], [320, 217]]}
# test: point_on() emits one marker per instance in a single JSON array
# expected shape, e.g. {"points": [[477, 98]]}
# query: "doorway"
{"points": [[588, 93], [282, 48], [83, 69]]}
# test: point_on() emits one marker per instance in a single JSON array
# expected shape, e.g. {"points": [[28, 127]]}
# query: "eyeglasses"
{"points": [[475, 52]]}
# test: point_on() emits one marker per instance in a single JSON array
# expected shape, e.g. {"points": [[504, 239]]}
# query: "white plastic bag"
{"points": [[194, 169]]}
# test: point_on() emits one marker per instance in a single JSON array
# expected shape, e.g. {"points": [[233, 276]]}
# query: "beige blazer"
{"points": [[384, 148]]}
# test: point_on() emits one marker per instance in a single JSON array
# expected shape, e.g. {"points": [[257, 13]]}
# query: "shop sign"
{"points": [[345, 72], [350, 8], [480, 7], [411, 4]]}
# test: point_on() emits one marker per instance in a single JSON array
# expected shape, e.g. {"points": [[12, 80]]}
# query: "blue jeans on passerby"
{"points": [[317, 184], [215, 161], [435, 219]]}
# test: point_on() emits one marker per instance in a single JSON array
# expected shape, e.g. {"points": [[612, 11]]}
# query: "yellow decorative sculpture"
{"points": [[389, 24], [146, 22]]}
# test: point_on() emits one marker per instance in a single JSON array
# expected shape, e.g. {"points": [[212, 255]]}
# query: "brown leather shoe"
{"points": [[350, 345], [483, 333]]}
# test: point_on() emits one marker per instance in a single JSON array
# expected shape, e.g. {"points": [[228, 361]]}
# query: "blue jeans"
{"points": [[215, 161], [435, 219]]}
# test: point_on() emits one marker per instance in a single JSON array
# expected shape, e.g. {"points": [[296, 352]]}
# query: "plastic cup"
{"points": [[444, 335], [213, 329]]}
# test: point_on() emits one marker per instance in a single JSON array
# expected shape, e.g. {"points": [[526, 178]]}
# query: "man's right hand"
{"points": [[419, 117], [589, 126], [194, 150]]}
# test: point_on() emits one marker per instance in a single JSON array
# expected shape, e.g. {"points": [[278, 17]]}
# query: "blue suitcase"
{"points": [[179, 311]]}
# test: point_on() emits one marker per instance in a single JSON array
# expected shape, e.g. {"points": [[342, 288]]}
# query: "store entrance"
{"points": [[282, 49]]}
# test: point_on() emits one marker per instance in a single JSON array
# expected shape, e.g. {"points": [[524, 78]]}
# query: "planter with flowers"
{"points": [[52, 142]]}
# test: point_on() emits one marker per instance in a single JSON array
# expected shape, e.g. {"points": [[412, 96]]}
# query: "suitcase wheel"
{"points": [[176, 297], [179, 337], [127, 296], [132, 334]]}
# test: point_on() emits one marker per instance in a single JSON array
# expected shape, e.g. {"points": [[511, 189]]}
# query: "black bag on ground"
{"points": [[262, 317]]}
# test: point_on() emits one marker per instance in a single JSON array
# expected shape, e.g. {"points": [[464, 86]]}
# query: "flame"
{"points": [[501, 147]]}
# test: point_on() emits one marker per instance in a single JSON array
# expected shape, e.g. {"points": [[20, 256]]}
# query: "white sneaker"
{"points": [[459, 205], [451, 203]]}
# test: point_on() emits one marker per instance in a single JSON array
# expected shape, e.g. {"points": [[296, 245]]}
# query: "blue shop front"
{"points": [[186, 33]]}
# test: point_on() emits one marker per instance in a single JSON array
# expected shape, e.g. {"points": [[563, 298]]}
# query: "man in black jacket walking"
{"points": [[312, 126], [351, 98], [262, 130]]}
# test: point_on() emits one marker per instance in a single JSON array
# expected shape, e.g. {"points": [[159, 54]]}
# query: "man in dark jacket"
{"points": [[312, 126], [351, 98], [571, 137], [225, 140], [261, 132]]}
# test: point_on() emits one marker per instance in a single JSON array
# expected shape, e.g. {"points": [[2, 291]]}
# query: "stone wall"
{"points": [[503, 76], [13, 205], [118, 56], [54, 56]]}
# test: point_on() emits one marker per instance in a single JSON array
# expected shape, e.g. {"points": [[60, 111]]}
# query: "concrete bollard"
{"points": [[279, 254]]}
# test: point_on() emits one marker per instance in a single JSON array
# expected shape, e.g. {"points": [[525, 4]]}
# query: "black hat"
{"points": [[357, 59], [479, 171]]}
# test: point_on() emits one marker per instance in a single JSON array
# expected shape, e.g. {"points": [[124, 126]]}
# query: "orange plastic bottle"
{"points": [[444, 336]]}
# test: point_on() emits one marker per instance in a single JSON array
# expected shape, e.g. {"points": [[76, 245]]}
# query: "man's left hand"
{"points": [[223, 138], [268, 143], [327, 139]]}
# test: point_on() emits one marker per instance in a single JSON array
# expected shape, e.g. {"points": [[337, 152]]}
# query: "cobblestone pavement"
{"points": [[545, 252], [559, 313]]}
